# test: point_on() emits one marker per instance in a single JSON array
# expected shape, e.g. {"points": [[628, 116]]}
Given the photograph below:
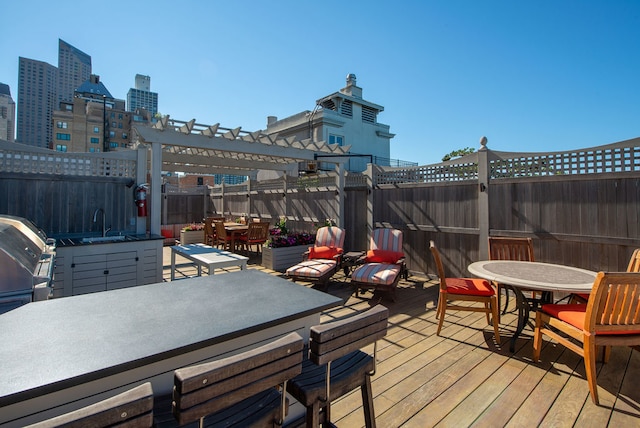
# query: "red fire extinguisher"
{"points": [[140, 196]]}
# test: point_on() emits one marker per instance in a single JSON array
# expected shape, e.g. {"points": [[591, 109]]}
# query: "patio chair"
{"points": [[239, 390], [610, 318], [467, 290], [336, 365], [223, 239], [131, 408], [322, 260], [210, 230], [257, 234], [633, 266], [500, 248], [383, 265]]}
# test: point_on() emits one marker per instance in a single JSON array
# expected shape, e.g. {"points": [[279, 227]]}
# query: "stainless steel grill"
{"points": [[27, 259]]}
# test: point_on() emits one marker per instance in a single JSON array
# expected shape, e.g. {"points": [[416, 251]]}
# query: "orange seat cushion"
{"points": [[383, 256], [324, 252], [470, 286], [574, 314]]}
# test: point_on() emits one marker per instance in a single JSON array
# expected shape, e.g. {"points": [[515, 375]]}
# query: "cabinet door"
{"points": [[89, 273], [122, 269]]}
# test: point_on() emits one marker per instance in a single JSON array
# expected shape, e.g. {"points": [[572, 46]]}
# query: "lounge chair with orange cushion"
{"points": [[323, 259]]}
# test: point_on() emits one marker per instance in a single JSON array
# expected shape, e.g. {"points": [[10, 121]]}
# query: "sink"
{"points": [[91, 239]]}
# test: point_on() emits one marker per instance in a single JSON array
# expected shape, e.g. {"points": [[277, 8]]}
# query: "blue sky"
{"points": [[544, 75]]}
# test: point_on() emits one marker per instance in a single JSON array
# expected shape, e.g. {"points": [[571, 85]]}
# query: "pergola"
{"points": [[194, 148]]}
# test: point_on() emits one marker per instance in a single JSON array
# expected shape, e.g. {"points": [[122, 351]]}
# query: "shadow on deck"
{"points": [[464, 378]]}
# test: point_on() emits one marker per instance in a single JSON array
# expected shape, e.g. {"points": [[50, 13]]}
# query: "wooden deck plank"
{"points": [[626, 411], [502, 409], [463, 378]]}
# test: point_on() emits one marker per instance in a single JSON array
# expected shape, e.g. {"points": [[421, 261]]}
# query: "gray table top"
{"points": [[535, 275], [59, 343]]}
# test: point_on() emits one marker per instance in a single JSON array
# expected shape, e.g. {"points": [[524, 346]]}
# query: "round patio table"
{"points": [[523, 275]]}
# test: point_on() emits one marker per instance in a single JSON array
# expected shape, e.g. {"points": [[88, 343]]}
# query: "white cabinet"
{"points": [[99, 267]]}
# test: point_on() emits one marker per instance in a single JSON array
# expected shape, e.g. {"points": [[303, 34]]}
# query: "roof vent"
{"points": [[351, 79]]}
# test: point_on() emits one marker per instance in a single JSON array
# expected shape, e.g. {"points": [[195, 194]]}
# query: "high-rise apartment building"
{"points": [[37, 98], [74, 68], [141, 96], [41, 88], [7, 114]]}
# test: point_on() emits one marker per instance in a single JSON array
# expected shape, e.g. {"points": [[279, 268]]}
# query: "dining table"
{"points": [[538, 276], [62, 354], [235, 230]]}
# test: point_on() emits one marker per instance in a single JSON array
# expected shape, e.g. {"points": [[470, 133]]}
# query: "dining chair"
{"points": [[464, 289], [223, 239], [322, 260], [633, 266], [241, 390], [336, 365], [501, 248], [132, 408], [383, 265], [257, 234], [611, 317]]}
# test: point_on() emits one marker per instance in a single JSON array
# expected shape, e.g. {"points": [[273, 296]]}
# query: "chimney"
{"points": [[271, 120], [351, 88]]}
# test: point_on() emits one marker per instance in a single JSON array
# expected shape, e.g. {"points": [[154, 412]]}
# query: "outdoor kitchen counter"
{"points": [[66, 353], [83, 239]]}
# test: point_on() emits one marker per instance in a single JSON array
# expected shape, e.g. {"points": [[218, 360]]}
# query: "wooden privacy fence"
{"points": [[580, 207], [60, 192]]}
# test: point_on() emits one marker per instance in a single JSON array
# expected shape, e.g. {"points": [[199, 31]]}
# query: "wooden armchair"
{"points": [[383, 264], [467, 290], [611, 317], [132, 408], [323, 259], [257, 234], [239, 390], [223, 239], [210, 230], [633, 266], [336, 365], [500, 248]]}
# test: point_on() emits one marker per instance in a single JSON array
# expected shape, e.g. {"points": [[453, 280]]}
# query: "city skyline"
{"points": [[542, 76]]}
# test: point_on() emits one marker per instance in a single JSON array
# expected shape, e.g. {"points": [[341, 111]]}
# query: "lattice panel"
{"points": [[71, 164], [595, 161]]}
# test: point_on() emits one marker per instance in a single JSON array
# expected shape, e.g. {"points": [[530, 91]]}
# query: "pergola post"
{"points": [[156, 187], [340, 194]]}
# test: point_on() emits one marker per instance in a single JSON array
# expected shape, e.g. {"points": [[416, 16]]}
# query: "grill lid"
{"points": [[19, 257]]}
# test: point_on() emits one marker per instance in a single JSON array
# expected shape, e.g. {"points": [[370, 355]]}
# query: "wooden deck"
{"points": [[463, 378]]}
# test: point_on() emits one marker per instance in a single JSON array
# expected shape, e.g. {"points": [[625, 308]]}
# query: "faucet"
{"points": [[95, 219]]}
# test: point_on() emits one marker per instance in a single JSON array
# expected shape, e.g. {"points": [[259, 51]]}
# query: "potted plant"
{"points": [[284, 249], [192, 234]]}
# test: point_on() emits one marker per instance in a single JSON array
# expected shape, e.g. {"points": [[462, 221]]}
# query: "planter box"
{"points": [[280, 259], [191, 237]]}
